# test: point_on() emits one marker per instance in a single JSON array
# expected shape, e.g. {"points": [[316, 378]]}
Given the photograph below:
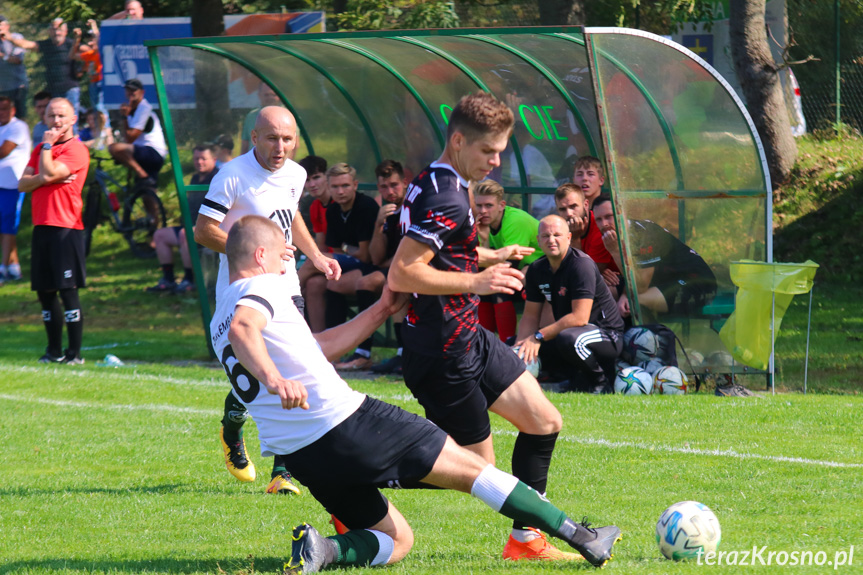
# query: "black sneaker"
{"points": [[163, 286], [51, 358], [73, 359], [595, 544], [392, 365], [310, 551]]}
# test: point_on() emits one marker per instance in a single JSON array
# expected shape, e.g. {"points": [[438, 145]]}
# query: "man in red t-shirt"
{"points": [[574, 206], [55, 176]]}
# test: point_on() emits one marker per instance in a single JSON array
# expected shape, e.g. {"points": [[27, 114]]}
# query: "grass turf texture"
{"points": [[120, 470]]}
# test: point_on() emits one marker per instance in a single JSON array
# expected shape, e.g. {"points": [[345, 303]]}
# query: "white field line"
{"points": [[579, 440]]}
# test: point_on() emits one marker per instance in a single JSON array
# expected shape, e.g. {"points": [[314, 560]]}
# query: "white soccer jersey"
{"points": [[241, 188], [13, 165], [146, 120], [296, 354]]}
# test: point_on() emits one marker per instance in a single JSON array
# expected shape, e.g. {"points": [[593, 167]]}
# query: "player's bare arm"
{"points": [[209, 234], [410, 272], [251, 351], [378, 245], [303, 239], [489, 257], [337, 341]]}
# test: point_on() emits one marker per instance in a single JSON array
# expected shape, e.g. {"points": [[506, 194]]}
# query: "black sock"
{"points": [[168, 272], [52, 317], [337, 308], [531, 458], [234, 417], [188, 275], [74, 321]]}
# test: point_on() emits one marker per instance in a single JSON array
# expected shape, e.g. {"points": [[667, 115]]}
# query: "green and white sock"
{"points": [[363, 547], [512, 498]]}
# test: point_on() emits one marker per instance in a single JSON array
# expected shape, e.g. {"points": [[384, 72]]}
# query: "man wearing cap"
{"points": [[60, 69], [144, 149], [13, 74]]}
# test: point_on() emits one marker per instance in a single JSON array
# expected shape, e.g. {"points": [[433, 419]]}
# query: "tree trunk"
{"points": [[758, 75], [211, 77], [561, 12]]}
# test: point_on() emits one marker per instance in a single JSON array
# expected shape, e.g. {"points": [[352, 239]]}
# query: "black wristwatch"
{"points": [[538, 336]]}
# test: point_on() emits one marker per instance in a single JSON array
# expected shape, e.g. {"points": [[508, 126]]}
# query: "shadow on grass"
{"points": [[143, 489]]}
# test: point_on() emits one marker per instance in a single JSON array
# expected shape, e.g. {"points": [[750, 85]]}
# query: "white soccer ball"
{"points": [[670, 380], [633, 381], [695, 357], [532, 367], [686, 529], [651, 366], [639, 344]]}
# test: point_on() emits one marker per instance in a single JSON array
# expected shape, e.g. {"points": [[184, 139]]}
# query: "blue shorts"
{"points": [[10, 210], [350, 263]]}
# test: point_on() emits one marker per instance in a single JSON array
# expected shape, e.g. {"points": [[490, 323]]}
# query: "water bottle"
{"points": [[110, 361]]}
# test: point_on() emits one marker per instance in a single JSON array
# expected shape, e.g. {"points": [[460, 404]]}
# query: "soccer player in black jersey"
{"points": [[455, 368], [587, 333]]}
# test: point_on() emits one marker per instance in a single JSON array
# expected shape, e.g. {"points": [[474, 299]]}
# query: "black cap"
{"points": [[133, 84], [3, 18]]}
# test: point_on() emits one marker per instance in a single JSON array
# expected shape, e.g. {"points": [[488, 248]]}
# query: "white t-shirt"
{"points": [[297, 355], [146, 120], [12, 166], [241, 188]]}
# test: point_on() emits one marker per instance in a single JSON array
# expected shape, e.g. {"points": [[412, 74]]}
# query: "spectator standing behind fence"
{"points": [[88, 53], [204, 159], [40, 103], [55, 176], [61, 72], [13, 74], [14, 153], [586, 336], [132, 10]]}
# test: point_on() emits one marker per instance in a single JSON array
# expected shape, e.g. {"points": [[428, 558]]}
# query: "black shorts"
{"points": [[456, 392], [379, 445], [350, 263], [57, 259], [149, 159]]}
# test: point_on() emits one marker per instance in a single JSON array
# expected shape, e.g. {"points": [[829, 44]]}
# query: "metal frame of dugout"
{"points": [[678, 144]]}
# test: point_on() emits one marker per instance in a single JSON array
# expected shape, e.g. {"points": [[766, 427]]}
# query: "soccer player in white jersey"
{"points": [[266, 182], [341, 444]]}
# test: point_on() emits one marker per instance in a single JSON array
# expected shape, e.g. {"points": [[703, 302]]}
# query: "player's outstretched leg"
{"points": [[311, 552], [281, 480], [233, 444]]}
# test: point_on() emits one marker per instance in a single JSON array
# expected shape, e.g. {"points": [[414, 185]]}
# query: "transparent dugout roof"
{"points": [[676, 141]]}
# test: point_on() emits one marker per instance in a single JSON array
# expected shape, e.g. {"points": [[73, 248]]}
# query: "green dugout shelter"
{"points": [[678, 145]]}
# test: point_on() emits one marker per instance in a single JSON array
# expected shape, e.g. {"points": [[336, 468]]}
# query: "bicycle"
{"points": [[137, 223]]}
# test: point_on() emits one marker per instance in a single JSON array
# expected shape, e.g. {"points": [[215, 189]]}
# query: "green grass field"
{"points": [[120, 471]]}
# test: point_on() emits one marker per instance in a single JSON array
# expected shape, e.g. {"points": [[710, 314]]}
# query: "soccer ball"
{"points": [[670, 380], [651, 366], [696, 358], [639, 344], [532, 367], [686, 529], [633, 381]]}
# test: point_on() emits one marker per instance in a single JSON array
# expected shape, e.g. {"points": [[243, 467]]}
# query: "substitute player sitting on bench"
{"points": [[341, 444]]}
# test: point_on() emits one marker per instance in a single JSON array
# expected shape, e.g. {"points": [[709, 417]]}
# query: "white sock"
{"points": [[492, 486], [525, 535], [386, 545], [14, 269]]}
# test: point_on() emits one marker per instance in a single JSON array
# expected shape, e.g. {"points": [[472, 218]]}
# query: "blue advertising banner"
{"points": [[124, 57]]}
